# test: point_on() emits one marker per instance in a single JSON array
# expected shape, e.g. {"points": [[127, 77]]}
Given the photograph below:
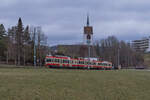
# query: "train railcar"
{"points": [[80, 63]]}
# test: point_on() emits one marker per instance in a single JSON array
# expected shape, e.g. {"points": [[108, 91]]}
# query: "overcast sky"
{"points": [[63, 20]]}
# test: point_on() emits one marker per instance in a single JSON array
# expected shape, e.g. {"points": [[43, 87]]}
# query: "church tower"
{"points": [[88, 33]]}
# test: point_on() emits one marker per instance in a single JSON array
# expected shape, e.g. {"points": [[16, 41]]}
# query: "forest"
{"points": [[19, 45]]}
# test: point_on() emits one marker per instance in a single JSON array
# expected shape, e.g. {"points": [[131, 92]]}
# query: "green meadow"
{"points": [[66, 84]]}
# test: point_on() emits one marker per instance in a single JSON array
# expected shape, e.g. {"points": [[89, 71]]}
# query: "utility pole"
{"points": [[119, 57], [89, 52], [34, 47]]}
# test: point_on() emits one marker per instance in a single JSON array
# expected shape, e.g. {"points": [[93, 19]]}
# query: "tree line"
{"points": [[19, 45], [118, 52], [110, 49]]}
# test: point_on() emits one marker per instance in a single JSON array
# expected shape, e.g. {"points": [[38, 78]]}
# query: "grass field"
{"points": [[59, 84]]}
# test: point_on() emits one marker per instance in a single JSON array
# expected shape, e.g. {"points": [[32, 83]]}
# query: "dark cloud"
{"points": [[63, 20]]}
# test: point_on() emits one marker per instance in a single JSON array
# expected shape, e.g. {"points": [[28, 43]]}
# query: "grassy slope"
{"points": [[52, 84]]}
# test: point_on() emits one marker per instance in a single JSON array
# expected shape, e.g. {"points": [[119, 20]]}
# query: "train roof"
{"points": [[58, 57]]}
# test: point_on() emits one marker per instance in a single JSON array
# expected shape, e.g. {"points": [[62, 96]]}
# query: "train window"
{"points": [[56, 60], [72, 62], [94, 63], [48, 60], [87, 62], [76, 62], [59, 61], [81, 62], [66, 61], [100, 64], [105, 64]]}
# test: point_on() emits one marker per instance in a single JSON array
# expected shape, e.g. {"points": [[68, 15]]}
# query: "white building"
{"points": [[141, 45]]}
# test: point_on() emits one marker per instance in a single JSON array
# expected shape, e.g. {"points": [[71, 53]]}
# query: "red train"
{"points": [[80, 63]]}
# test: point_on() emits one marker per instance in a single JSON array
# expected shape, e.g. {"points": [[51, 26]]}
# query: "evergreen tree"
{"points": [[2, 42], [19, 39], [27, 38], [26, 44], [2, 31]]}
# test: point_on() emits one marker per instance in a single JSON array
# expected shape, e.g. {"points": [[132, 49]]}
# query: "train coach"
{"points": [[80, 63]]}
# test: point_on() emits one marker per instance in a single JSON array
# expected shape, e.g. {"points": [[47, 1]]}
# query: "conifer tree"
{"points": [[2, 31], [26, 45], [19, 39], [27, 35], [2, 41]]}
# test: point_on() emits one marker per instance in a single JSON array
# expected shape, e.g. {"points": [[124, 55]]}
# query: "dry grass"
{"points": [[58, 84]]}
